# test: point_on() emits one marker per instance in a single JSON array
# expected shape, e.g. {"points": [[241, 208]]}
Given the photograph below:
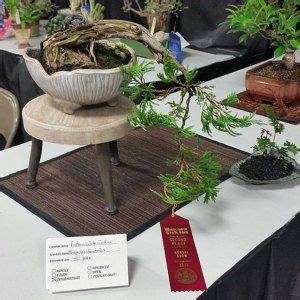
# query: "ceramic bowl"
{"points": [[234, 171], [76, 88]]}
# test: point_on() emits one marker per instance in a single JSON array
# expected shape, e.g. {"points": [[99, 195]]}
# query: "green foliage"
{"points": [[196, 174], [95, 14], [163, 5], [278, 127], [268, 146], [219, 117], [56, 23], [27, 11], [199, 179], [274, 21]]}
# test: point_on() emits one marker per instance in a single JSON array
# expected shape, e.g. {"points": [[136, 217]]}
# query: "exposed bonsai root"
{"points": [[289, 60], [95, 55], [58, 45]]}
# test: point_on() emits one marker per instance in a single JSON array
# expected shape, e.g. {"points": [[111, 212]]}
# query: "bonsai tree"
{"points": [[56, 23], [270, 161], [274, 19], [95, 12], [75, 5], [196, 174], [155, 11]]}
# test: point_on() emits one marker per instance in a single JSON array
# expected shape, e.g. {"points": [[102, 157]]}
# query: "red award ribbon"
{"points": [[185, 272]]}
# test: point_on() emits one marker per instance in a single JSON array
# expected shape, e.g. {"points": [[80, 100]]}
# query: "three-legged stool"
{"points": [[100, 125]]}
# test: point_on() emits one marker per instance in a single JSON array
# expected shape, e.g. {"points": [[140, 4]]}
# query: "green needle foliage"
{"points": [[266, 143], [274, 19], [196, 174]]}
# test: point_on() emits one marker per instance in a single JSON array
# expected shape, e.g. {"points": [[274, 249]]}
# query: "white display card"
{"points": [[89, 262], [184, 42]]}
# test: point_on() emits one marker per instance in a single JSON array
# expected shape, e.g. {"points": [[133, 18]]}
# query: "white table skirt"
{"points": [[224, 232]]}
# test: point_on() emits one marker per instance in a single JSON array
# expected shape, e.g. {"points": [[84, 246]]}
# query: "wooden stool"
{"points": [[100, 125]]}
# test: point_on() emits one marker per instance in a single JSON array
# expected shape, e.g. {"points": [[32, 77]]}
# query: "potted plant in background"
{"points": [[74, 8], [269, 163], [277, 21], [92, 11], [23, 15], [75, 5], [56, 23], [157, 12], [44, 7]]}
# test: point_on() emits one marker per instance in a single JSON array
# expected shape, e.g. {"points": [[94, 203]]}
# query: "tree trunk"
{"points": [[289, 60], [161, 22]]}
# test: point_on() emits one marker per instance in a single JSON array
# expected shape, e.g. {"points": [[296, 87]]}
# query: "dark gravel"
{"points": [[39, 55], [263, 167], [277, 71]]}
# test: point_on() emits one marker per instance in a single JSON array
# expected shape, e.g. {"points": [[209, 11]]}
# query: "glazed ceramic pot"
{"points": [[272, 90], [73, 89], [22, 35]]}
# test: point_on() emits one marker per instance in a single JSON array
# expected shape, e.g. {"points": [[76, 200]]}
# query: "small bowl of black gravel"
{"points": [[266, 169]]}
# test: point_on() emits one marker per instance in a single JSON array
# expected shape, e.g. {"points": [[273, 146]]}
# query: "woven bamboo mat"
{"points": [[69, 194]]}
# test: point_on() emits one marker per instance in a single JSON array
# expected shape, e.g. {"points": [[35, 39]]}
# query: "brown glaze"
{"points": [[272, 90]]}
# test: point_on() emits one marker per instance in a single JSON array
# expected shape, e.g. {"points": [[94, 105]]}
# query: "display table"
{"points": [[224, 232]]}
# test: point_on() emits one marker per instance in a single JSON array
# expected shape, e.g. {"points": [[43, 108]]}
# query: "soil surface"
{"points": [[277, 71], [263, 167], [106, 60]]}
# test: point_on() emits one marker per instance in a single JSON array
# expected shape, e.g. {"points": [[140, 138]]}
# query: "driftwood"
{"points": [[104, 29], [101, 30]]}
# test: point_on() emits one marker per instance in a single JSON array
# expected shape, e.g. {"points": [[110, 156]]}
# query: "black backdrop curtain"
{"points": [[269, 272], [198, 22]]}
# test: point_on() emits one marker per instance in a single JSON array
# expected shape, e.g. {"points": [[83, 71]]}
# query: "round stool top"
{"points": [[44, 120]]}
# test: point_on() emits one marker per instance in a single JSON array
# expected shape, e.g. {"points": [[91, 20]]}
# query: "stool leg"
{"points": [[104, 164], [114, 152], [35, 156]]}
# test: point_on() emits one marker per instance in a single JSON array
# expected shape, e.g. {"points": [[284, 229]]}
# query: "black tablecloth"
{"points": [[270, 271], [198, 21], [15, 78]]}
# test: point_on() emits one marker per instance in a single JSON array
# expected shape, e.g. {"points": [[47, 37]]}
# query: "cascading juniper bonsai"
{"points": [[197, 174], [274, 20]]}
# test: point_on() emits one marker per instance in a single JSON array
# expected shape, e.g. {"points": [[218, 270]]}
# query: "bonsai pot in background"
{"points": [[283, 86], [22, 35], [35, 29]]}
